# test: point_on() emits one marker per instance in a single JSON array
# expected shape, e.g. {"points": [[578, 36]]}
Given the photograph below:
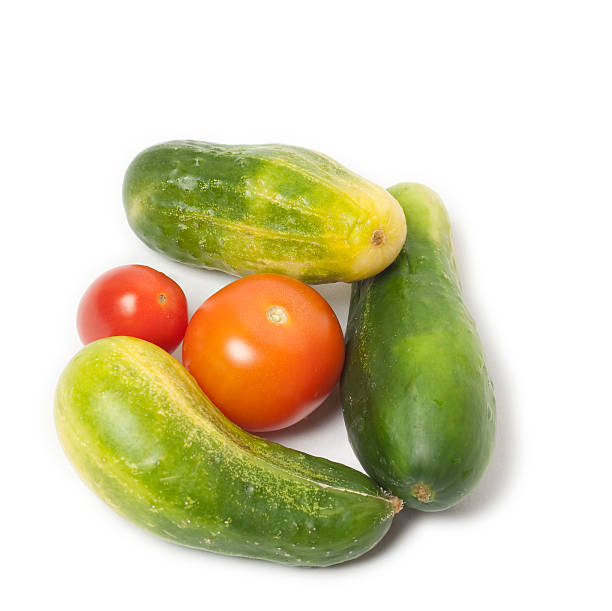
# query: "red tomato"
{"points": [[134, 300], [266, 349]]}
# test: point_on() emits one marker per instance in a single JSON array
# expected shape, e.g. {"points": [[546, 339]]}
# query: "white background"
{"points": [[503, 108]]}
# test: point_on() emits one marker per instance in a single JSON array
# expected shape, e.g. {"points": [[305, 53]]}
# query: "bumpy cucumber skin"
{"points": [[261, 208], [418, 402], [146, 439]]}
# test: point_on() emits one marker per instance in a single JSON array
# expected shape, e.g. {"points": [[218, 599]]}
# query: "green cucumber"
{"points": [[142, 434], [418, 402], [261, 208]]}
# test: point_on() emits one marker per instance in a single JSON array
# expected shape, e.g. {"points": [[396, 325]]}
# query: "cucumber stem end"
{"points": [[423, 492]]}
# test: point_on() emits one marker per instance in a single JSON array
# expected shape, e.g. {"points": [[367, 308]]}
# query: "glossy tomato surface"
{"points": [[134, 300], [266, 349]]}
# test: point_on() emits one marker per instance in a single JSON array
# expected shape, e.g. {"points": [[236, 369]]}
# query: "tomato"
{"points": [[266, 349], [134, 300]]}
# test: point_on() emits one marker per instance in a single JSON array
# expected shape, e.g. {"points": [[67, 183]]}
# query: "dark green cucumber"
{"points": [[142, 434], [261, 208], [418, 402]]}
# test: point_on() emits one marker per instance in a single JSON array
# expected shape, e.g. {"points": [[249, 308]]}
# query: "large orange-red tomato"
{"points": [[266, 349], [134, 300]]}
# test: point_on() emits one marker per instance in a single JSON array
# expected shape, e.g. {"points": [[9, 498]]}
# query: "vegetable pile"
{"points": [[166, 444]]}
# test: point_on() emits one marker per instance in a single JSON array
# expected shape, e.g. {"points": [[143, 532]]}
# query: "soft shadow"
{"points": [[501, 467], [496, 479], [402, 522], [317, 420], [338, 295]]}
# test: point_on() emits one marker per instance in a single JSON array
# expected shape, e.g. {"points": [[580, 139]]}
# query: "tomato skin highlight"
{"points": [[137, 301], [266, 349]]}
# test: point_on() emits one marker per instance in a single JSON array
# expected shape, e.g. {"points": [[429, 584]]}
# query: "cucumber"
{"points": [[146, 439], [417, 400], [261, 208]]}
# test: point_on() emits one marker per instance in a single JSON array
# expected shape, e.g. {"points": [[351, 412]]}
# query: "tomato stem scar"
{"points": [[277, 315]]}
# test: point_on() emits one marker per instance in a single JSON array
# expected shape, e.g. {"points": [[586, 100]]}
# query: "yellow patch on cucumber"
{"points": [[378, 240]]}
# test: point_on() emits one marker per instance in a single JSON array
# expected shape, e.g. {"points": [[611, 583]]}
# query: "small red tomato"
{"points": [[134, 300], [266, 349]]}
